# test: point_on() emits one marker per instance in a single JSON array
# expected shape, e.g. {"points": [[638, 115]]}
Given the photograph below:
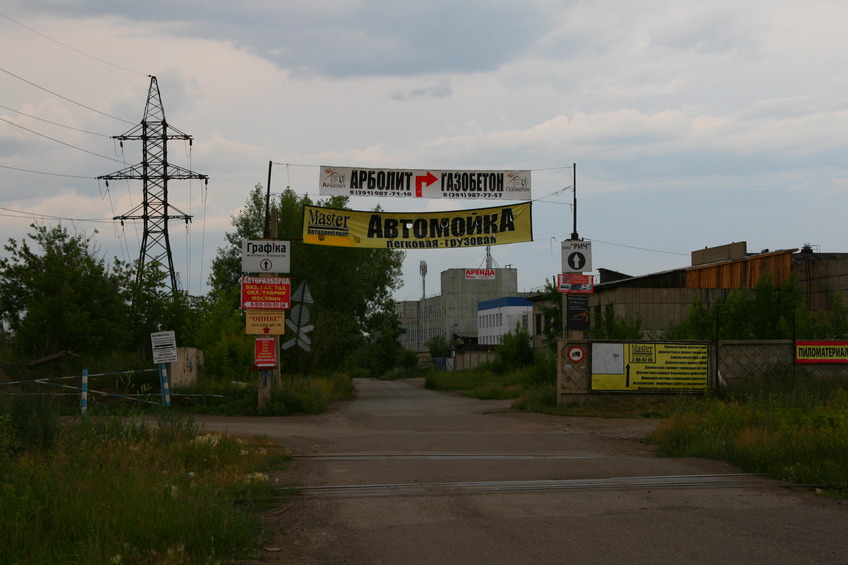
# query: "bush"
{"points": [[307, 395], [30, 421], [514, 351]]}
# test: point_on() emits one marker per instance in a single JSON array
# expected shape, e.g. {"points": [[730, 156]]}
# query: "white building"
{"points": [[500, 316]]}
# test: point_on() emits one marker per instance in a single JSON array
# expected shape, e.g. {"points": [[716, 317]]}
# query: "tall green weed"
{"points": [[795, 433], [110, 491]]}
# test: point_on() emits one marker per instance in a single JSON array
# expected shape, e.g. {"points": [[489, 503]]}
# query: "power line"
{"points": [[44, 173], [66, 98], [58, 141], [54, 123], [66, 46], [423, 168], [23, 214], [638, 248]]}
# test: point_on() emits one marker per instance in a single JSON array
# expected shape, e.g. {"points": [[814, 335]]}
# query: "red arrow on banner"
{"points": [[427, 180]]}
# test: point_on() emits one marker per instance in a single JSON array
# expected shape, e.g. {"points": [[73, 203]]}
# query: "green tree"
{"points": [[838, 322], [153, 307], [612, 326], [60, 296], [551, 309], [219, 332], [698, 325], [383, 350], [515, 350], [351, 287], [438, 346]]}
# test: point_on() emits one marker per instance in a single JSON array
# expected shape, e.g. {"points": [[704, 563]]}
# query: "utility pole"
{"points": [[268, 379], [571, 333], [574, 236], [155, 171]]}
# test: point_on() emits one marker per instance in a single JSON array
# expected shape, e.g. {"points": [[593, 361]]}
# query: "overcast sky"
{"points": [[691, 123]]}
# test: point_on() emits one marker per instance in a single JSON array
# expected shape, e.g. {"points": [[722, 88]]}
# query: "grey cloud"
{"points": [[443, 89], [341, 39]]}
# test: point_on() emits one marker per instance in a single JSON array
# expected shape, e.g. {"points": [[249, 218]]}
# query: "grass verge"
{"points": [[795, 431], [95, 491]]}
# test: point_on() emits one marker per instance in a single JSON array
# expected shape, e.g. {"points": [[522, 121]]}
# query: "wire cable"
{"points": [[58, 141], [55, 123], [66, 46], [66, 98], [44, 172], [23, 214]]}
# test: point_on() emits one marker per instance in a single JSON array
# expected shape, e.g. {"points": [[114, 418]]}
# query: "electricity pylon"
{"points": [[155, 171]]}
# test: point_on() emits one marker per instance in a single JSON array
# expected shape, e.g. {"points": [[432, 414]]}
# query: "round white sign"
{"points": [[576, 354]]}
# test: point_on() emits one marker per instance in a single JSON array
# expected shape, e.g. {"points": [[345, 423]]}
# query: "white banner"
{"points": [[424, 183]]}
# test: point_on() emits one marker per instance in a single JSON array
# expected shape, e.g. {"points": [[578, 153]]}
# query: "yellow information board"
{"points": [[649, 367], [265, 322], [418, 230]]}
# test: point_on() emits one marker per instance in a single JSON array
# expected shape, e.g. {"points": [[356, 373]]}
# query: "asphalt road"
{"points": [[403, 475]]}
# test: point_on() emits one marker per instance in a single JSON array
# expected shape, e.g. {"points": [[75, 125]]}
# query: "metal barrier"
{"points": [[84, 390]]}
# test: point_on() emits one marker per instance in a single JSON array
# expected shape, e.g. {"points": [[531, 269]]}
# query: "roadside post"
{"points": [[265, 298], [164, 351]]}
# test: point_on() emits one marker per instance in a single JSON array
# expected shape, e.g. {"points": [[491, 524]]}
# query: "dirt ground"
{"points": [[301, 533]]}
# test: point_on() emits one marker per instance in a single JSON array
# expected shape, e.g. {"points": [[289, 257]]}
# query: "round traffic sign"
{"points": [[576, 354], [576, 261]]}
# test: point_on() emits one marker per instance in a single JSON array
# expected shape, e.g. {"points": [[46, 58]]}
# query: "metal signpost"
{"points": [[265, 299], [164, 351]]}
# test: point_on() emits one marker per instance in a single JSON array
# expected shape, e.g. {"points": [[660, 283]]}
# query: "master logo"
{"points": [[322, 222], [642, 353]]}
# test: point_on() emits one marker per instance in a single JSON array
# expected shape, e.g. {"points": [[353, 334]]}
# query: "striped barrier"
{"points": [[83, 389]]}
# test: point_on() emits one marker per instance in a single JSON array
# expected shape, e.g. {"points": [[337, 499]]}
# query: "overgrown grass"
{"points": [[297, 394], [308, 395], [794, 430], [489, 381], [96, 491]]}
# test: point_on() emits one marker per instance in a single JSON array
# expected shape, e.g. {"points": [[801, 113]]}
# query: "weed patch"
{"points": [[106, 491], [795, 433]]}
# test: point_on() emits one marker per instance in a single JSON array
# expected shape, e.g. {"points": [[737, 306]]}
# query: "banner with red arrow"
{"points": [[424, 183]]}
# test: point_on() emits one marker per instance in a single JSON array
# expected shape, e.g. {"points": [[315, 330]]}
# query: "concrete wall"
{"points": [[454, 311], [663, 299], [184, 371], [736, 360], [720, 253], [460, 297], [469, 359], [659, 308], [422, 320]]}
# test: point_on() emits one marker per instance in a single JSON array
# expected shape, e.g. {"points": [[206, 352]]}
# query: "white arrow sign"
{"points": [[576, 256]]}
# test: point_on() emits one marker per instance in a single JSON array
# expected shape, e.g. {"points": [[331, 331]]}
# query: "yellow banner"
{"points": [[418, 230], [657, 367], [265, 322]]}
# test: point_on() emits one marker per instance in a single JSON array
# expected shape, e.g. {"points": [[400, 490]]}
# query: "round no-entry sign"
{"points": [[576, 354]]}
